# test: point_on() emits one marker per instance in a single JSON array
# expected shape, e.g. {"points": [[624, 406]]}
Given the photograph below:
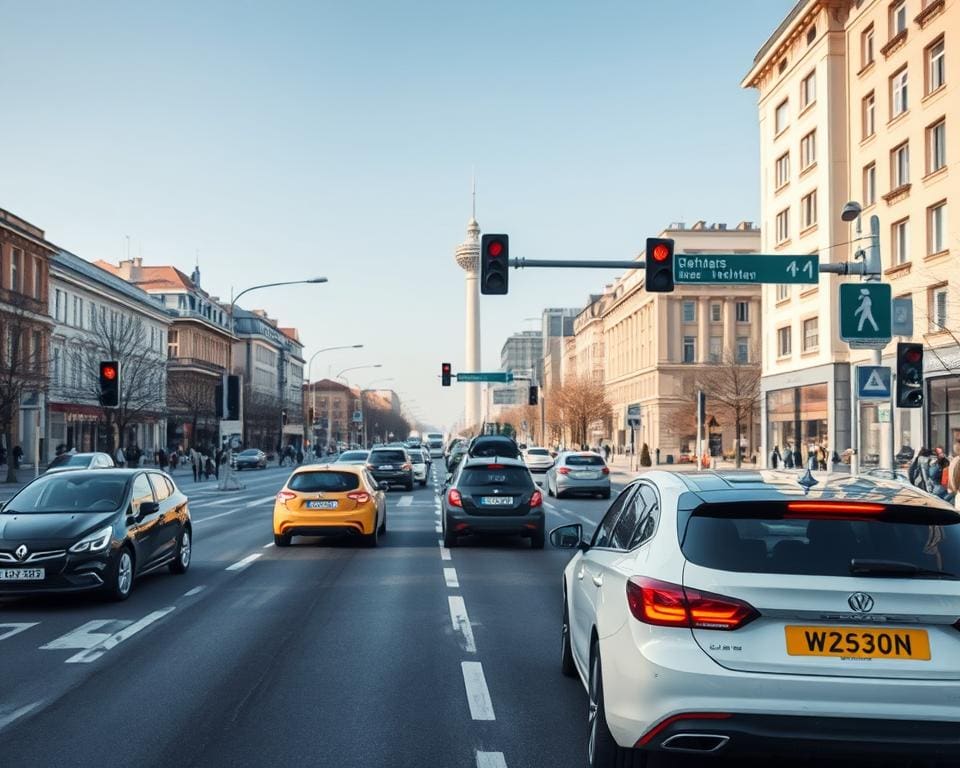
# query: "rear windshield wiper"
{"points": [[860, 567]]}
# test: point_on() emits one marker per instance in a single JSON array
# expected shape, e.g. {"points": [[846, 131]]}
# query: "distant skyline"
{"points": [[285, 140]]}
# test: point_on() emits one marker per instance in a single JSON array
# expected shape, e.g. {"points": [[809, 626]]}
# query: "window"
{"points": [[811, 34], [869, 115], [743, 311], [938, 308], [898, 18], [783, 341], [783, 225], [936, 66], [16, 255], [937, 228], [866, 47], [900, 165], [161, 487], [783, 291], [808, 150], [715, 349], [604, 531], [811, 334], [58, 299], [808, 90], [77, 312], [37, 350], [141, 491], [743, 349], [808, 210], [716, 310], [780, 117], [173, 344], [783, 169], [899, 237], [37, 278], [898, 93], [870, 184], [936, 146], [689, 311], [689, 349]]}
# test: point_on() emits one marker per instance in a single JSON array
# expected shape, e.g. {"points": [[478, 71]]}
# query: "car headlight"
{"points": [[95, 542]]}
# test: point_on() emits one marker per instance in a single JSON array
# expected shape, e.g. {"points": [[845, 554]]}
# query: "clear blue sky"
{"points": [[289, 139]]}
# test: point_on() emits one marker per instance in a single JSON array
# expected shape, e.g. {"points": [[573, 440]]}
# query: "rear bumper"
{"points": [[583, 486], [394, 478], [323, 523], [464, 524]]}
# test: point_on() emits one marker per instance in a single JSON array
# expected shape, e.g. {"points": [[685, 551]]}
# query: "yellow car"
{"points": [[330, 500]]}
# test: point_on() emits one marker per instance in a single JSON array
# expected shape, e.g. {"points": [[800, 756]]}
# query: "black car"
{"points": [[493, 496], [489, 446], [252, 458], [92, 530], [391, 466]]}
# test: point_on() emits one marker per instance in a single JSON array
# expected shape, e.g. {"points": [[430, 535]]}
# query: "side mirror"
{"points": [[567, 536], [147, 508], [383, 485]]}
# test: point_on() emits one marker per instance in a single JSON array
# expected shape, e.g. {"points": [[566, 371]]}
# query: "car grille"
{"points": [[33, 557]]}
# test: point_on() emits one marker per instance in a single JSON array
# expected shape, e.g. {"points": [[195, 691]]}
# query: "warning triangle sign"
{"points": [[874, 383]]}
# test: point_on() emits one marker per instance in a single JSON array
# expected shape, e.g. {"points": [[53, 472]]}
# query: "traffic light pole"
{"points": [[577, 264]]}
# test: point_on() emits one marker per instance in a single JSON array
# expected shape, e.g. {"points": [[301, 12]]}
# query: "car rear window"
{"points": [[353, 456], [769, 538], [416, 457], [387, 457], [584, 461], [486, 477], [538, 452], [495, 448], [311, 482]]}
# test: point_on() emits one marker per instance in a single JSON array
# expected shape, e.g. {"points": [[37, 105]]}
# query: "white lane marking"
{"points": [[438, 527], [85, 657], [86, 635], [267, 546], [16, 714], [444, 552], [241, 564], [248, 505], [15, 628], [405, 501], [478, 697], [194, 591], [491, 760], [258, 502], [461, 622], [219, 502], [568, 513], [450, 576]]}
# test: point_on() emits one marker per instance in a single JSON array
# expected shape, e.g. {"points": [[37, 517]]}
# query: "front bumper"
{"points": [[68, 573], [463, 524], [318, 522]]}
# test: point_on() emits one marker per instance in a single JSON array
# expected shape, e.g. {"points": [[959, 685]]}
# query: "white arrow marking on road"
{"points": [[405, 501], [86, 635], [478, 697], [85, 657], [241, 564], [491, 760], [15, 628], [450, 576], [461, 622]]}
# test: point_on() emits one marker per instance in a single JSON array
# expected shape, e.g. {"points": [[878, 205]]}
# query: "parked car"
{"points": [[67, 462], [493, 496], [392, 466], [252, 458], [93, 530], [728, 613], [578, 472], [488, 446]]}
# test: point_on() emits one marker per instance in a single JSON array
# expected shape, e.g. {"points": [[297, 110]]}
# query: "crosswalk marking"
{"points": [[405, 501]]}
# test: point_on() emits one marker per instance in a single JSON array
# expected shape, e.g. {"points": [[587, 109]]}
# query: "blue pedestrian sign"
{"points": [[873, 382]]}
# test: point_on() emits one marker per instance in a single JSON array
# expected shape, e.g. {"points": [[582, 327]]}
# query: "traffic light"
{"points": [[659, 261], [233, 399], [283, 417], [110, 383], [445, 374], [909, 375], [494, 266], [532, 396]]}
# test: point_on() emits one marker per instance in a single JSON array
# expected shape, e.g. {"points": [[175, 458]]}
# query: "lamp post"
{"points": [[313, 389], [357, 368]]}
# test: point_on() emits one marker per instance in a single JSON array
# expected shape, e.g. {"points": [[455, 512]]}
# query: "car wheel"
{"points": [[282, 540], [549, 488], [383, 525], [120, 582], [423, 483], [372, 539], [567, 666], [602, 750], [538, 538], [181, 563]]}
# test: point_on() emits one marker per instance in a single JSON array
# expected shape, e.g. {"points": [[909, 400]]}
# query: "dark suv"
{"points": [[493, 496], [391, 466], [489, 446]]}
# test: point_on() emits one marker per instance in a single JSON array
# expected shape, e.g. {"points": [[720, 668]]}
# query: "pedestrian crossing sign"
{"points": [[865, 314], [873, 382]]}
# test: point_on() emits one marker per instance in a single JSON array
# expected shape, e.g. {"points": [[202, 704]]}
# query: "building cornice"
{"points": [[149, 307]]}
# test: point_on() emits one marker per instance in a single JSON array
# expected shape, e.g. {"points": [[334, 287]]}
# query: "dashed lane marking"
{"points": [[478, 697], [267, 546], [9, 717], [491, 760], [461, 622], [15, 628], [444, 552], [405, 501], [92, 654], [241, 564], [194, 591], [450, 576], [439, 527]]}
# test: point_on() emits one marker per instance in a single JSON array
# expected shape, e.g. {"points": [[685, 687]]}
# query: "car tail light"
{"points": [[286, 496], [606, 470], [454, 499], [670, 605], [361, 497], [407, 466], [494, 466], [563, 471], [536, 500], [668, 721], [835, 507]]}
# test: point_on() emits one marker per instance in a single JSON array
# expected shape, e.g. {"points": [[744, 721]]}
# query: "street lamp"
{"points": [[313, 389]]}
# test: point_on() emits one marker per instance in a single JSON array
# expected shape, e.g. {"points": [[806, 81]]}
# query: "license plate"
{"points": [[387, 466], [322, 504], [496, 501], [585, 475], [859, 643], [22, 574]]}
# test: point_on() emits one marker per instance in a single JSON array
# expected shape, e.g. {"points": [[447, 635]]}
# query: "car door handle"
{"points": [[597, 579]]}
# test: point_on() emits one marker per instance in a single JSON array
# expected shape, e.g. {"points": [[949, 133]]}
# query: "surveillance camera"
{"points": [[851, 211]]}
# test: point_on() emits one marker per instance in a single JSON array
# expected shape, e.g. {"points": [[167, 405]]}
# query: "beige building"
{"points": [[857, 101]]}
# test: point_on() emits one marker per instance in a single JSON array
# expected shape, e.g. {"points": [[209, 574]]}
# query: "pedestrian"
{"points": [[219, 460], [788, 460], [913, 471], [299, 456], [208, 468], [174, 460], [161, 458], [775, 457], [195, 463], [120, 458], [822, 457], [953, 475]]}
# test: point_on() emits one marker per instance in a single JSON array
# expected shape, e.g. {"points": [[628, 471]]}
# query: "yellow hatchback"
{"points": [[330, 500]]}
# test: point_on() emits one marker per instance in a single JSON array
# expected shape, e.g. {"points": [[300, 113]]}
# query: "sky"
{"points": [[283, 140]]}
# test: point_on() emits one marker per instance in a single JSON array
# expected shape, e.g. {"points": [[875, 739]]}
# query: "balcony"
{"points": [[195, 364]]}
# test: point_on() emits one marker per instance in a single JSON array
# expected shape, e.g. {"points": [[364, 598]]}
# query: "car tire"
{"points": [[371, 540], [549, 488], [181, 562], [560, 494], [538, 538], [567, 665], [602, 750], [423, 483], [383, 525], [119, 583], [282, 539]]}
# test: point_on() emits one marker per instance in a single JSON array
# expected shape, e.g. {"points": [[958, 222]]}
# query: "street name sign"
{"points": [[865, 314], [501, 377], [740, 268], [873, 382]]}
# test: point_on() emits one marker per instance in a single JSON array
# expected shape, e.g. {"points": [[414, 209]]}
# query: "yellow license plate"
{"points": [[859, 642]]}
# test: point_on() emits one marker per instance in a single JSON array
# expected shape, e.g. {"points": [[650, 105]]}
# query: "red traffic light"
{"points": [[446, 367], [108, 372], [912, 355], [661, 252], [495, 248]]}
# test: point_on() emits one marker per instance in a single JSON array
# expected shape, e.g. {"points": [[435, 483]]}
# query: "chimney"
{"points": [[745, 226]]}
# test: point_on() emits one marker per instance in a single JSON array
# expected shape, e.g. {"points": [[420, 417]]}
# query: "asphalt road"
{"points": [[323, 654]]}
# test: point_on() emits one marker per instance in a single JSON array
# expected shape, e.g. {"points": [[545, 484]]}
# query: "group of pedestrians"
{"points": [[936, 473], [791, 458], [291, 454]]}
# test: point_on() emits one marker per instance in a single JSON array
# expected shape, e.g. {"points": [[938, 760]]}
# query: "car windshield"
{"points": [[387, 457], [310, 482], [490, 476], [584, 461], [69, 492], [250, 452], [71, 460]]}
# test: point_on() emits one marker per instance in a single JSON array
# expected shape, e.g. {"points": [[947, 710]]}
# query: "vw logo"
{"points": [[861, 602], [21, 552]]}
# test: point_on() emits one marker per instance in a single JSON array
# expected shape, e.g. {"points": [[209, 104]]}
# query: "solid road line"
{"points": [[461, 622], [248, 505], [491, 760], [450, 576], [241, 564], [478, 697]]}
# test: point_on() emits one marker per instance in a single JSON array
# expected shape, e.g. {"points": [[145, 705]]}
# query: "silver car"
{"points": [[67, 462], [579, 472], [538, 461]]}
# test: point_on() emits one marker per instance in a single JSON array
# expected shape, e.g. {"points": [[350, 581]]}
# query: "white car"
{"points": [[420, 465], [734, 613], [538, 461]]}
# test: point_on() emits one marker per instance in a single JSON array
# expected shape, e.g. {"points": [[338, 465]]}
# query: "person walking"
{"points": [[195, 462], [120, 458], [788, 462], [775, 457], [822, 457]]}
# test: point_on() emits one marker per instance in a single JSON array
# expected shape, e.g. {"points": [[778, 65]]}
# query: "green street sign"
{"points": [[501, 377], [865, 314], [738, 268]]}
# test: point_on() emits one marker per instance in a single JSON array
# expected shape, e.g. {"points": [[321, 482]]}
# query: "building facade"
{"points": [[334, 407]]}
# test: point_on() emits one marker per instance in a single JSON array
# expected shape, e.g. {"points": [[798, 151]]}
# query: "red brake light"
{"points": [[494, 466], [286, 496], [536, 500], [454, 499], [361, 497], [832, 509], [606, 470], [563, 471], [670, 605]]}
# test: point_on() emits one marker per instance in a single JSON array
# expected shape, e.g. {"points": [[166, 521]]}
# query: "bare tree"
{"points": [[734, 385], [582, 404], [23, 364], [192, 395], [261, 415]]}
